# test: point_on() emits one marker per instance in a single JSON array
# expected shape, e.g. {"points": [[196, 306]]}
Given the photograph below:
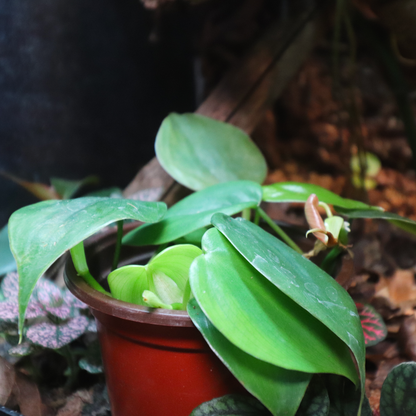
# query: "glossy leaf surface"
{"points": [[256, 316], [195, 212], [374, 328], [401, 222], [198, 152], [278, 389], [398, 394], [7, 262], [302, 281], [231, 405], [42, 232], [299, 192]]}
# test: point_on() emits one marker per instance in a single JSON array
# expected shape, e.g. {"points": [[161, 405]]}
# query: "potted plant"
{"points": [[272, 316]]}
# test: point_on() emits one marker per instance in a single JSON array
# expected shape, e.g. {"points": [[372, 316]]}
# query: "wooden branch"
{"points": [[247, 90]]}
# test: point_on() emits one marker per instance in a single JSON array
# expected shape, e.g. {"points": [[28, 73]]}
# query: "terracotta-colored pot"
{"points": [[156, 362]]}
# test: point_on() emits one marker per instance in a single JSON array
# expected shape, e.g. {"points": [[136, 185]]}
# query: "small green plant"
{"points": [[54, 319], [272, 316]]}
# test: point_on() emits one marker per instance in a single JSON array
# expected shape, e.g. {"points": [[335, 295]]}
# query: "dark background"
{"points": [[84, 86]]}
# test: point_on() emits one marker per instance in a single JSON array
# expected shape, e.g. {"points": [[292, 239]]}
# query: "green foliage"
{"points": [[195, 211], [165, 276], [280, 390], [198, 152], [300, 192], [67, 188], [231, 405], [373, 166], [398, 394], [41, 233]]}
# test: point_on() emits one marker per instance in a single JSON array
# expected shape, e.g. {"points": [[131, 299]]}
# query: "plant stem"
{"points": [[279, 231], [118, 244], [256, 217], [81, 266], [246, 214]]}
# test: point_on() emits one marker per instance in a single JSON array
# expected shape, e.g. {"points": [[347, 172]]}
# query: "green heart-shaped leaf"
{"points": [[374, 328], [231, 405], [401, 222], [196, 210], [301, 280], [198, 152], [256, 316], [398, 394], [278, 389], [166, 275], [42, 232], [299, 192]]}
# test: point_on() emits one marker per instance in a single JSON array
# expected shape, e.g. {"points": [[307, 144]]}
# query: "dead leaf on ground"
{"points": [[16, 389], [75, 403], [399, 290]]}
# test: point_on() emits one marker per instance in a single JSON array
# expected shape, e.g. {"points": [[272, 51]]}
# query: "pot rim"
{"points": [[120, 309]]}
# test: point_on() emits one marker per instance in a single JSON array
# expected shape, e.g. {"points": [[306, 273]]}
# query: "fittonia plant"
{"points": [[272, 316], [55, 318]]}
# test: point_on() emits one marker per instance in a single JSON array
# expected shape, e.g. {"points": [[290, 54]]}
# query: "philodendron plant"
{"points": [[272, 316]]}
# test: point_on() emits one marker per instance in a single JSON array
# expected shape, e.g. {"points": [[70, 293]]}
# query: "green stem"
{"points": [[279, 231], [246, 214], [81, 266], [118, 244], [256, 217]]}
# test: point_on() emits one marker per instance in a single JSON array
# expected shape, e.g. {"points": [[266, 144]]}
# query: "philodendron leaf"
{"points": [[128, 283], [199, 151], [374, 328], [398, 394], [195, 212], [166, 275], [310, 289], [278, 389], [316, 399], [231, 405], [300, 192], [42, 232], [7, 262], [256, 316], [401, 222]]}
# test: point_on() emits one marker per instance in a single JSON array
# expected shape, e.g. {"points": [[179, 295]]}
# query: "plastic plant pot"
{"points": [[156, 362]]}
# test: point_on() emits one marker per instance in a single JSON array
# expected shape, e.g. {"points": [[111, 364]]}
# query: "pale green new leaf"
{"points": [[198, 152]]}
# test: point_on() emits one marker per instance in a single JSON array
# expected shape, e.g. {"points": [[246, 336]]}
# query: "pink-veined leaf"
{"points": [[374, 328]]}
